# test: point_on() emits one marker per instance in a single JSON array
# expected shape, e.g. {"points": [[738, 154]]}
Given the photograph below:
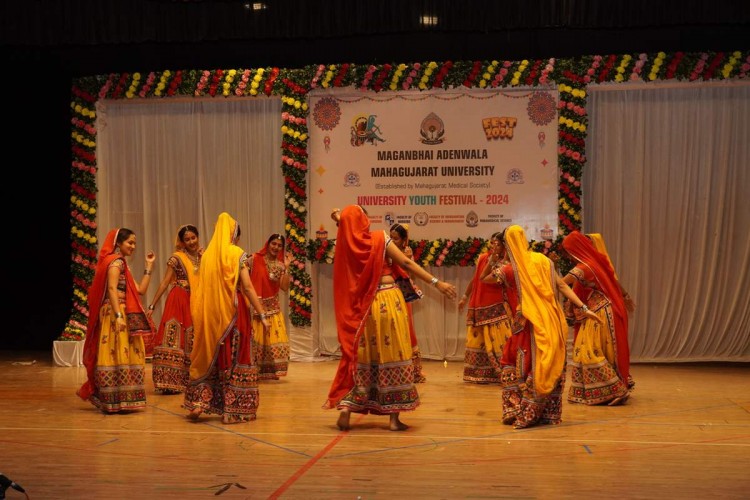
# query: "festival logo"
{"points": [[499, 127], [421, 218], [472, 219], [351, 179], [432, 130], [365, 131], [514, 176]]}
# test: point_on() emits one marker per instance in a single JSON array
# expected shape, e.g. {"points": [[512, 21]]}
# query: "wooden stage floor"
{"points": [[684, 433]]}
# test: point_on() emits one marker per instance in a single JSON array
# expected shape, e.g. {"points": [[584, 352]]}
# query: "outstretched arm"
{"points": [[415, 269]]}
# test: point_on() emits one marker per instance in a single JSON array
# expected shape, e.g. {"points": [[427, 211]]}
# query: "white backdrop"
{"points": [[666, 184]]}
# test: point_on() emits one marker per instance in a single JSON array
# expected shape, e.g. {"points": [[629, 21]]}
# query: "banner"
{"points": [[451, 164]]}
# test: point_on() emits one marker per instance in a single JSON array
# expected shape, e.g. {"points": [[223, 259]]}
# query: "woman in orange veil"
{"points": [[375, 373]]}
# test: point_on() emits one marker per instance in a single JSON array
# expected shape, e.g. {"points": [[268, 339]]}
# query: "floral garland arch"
{"points": [[291, 85]]}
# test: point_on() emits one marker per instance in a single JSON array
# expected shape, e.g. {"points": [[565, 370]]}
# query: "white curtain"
{"points": [[667, 184], [165, 163]]}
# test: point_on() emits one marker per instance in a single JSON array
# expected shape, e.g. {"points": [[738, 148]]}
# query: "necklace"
{"points": [[275, 269], [195, 259]]}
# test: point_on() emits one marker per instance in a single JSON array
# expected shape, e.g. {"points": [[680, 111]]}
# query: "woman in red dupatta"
{"points": [[601, 354], [114, 353], [268, 272], [375, 373], [171, 363], [488, 320]]}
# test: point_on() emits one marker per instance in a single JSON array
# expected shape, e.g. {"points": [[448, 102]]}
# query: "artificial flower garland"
{"points": [[291, 85]]}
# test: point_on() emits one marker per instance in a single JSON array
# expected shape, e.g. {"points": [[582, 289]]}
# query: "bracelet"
{"points": [[434, 281], [147, 272], [584, 308], [263, 316], [118, 315], [151, 307]]}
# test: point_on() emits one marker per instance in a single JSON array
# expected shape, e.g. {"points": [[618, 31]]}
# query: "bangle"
{"points": [[584, 308], [263, 316], [147, 272], [434, 281], [118, 315], [151, 307]]}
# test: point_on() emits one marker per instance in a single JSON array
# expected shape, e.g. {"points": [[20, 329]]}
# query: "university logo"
{"points": [[390, 218], [432, 130], [421, 218], [472, 219]]}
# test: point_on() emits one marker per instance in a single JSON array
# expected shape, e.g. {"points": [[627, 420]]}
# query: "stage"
{"points": [[684, 433]]}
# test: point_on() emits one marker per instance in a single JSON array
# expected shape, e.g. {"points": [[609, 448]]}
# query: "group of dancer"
{"points": [[517, 327], [222, 329]]}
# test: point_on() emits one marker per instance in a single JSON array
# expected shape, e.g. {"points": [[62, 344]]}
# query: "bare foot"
{"points": [[343, 422], [194, 414], [396, 424], [619, 401]]}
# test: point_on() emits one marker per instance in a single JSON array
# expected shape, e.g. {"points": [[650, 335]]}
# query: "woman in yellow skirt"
{"points": [[375, 374], [269, 274], [114, 353]]}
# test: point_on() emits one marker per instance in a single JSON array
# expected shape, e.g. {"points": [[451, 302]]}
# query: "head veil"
{"points": [[536, 279], [264, 287], [213, 302], [357, 266]]}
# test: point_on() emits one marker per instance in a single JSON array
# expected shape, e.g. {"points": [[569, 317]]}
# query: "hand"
{"points": [[288, 259], [447, 289], [336, 215], [120, 324], [266, 323], [629, 303], [150, 257], [149, 312], [462, 302], [592, 315]]}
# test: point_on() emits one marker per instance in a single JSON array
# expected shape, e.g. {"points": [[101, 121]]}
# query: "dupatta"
{"points": [[213, 301], [537, 286], [358, 263], [583, 251]]}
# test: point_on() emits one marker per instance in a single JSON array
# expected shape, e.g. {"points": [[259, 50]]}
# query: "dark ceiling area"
{"points": [[44, 44], [98, 36]]}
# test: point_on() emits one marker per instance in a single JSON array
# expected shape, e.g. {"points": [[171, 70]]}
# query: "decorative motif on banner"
{"points": [[542, 108], [432, 130], [351, 179], [327, 113], [547, 232], [327, 143], [472, 219], [364, 130], [514, 176], [542, 138]]}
